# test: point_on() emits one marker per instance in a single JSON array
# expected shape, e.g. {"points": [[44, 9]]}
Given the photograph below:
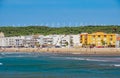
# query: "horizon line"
{"points": [[57, 26]]}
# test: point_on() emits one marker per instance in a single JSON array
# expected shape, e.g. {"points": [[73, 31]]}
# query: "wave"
{"points": [[97, 60], [15, 54], [110, 65], [75, 58], [1, 63], [116, 65], [87, 59]]}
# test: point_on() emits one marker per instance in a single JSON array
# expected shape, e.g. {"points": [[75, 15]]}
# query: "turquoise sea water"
{"points": [[45, 65]]}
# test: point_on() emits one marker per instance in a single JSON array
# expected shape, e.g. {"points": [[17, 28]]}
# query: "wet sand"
{"points": [[82, 51]]}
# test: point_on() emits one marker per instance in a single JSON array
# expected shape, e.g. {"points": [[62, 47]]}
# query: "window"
{"points": [[98, 35], [111, 39], [105, 36], [93, 36]]}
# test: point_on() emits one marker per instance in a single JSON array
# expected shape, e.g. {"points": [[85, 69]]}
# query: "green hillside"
{"points": [[28, 30]]}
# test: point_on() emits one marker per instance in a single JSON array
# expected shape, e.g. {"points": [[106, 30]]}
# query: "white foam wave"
{"points": [[19, 56], [96, 60], [1, 63], [116, 65], [75, 58], [87, 59], [113, 65], [14, 54]]}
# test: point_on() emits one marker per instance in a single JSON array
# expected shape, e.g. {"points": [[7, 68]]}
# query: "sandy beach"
{"points": [[82, 51]]}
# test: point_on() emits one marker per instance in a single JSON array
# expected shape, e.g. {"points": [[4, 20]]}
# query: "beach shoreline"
{"points": [[75, 51]]}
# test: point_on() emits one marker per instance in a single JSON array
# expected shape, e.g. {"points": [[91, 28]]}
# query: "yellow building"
{"points": [[83, 38], [98, 39]]}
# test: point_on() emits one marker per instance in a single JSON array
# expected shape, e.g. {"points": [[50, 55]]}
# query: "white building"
{"points": [[118, 41], [61, 40], [75, 40], [19, 41], [65, 41], [45, 41], [54, 40], [2, 39], [11, 42], [29, 41], [57, 39], [2, 42]]}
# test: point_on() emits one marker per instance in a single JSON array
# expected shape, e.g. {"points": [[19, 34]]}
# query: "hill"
{"points": [[28, 30]]}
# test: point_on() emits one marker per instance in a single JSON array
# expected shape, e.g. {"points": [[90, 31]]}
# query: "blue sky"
{"points": [[59, 12]]}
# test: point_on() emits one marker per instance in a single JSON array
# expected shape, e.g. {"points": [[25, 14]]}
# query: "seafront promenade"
{"points": [[82, 51]]}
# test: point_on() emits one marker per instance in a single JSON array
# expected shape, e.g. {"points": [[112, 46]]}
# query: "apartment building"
{"points": [[98, 39]]}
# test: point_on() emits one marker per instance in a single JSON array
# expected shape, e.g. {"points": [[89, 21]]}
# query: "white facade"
{"points": [[61, 40], [54, 40], [19, 41], [2, 42], [11, 41], [45, 40], [76, 40], [49, 41], [40, 39], [29, 41], [118, 41], [117, 44], [57, 39], [65, 41]]}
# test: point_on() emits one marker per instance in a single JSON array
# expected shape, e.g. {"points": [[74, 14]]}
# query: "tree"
{"points": [[103, 42], [28, 30]]}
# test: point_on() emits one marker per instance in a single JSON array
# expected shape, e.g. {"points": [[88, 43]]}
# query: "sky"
{"points": [[59, 12]]}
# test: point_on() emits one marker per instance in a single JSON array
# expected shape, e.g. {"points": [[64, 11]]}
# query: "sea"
{"points": [[50, 65]]}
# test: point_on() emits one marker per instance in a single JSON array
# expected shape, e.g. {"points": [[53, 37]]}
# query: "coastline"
{"points": [[76, 51]]}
